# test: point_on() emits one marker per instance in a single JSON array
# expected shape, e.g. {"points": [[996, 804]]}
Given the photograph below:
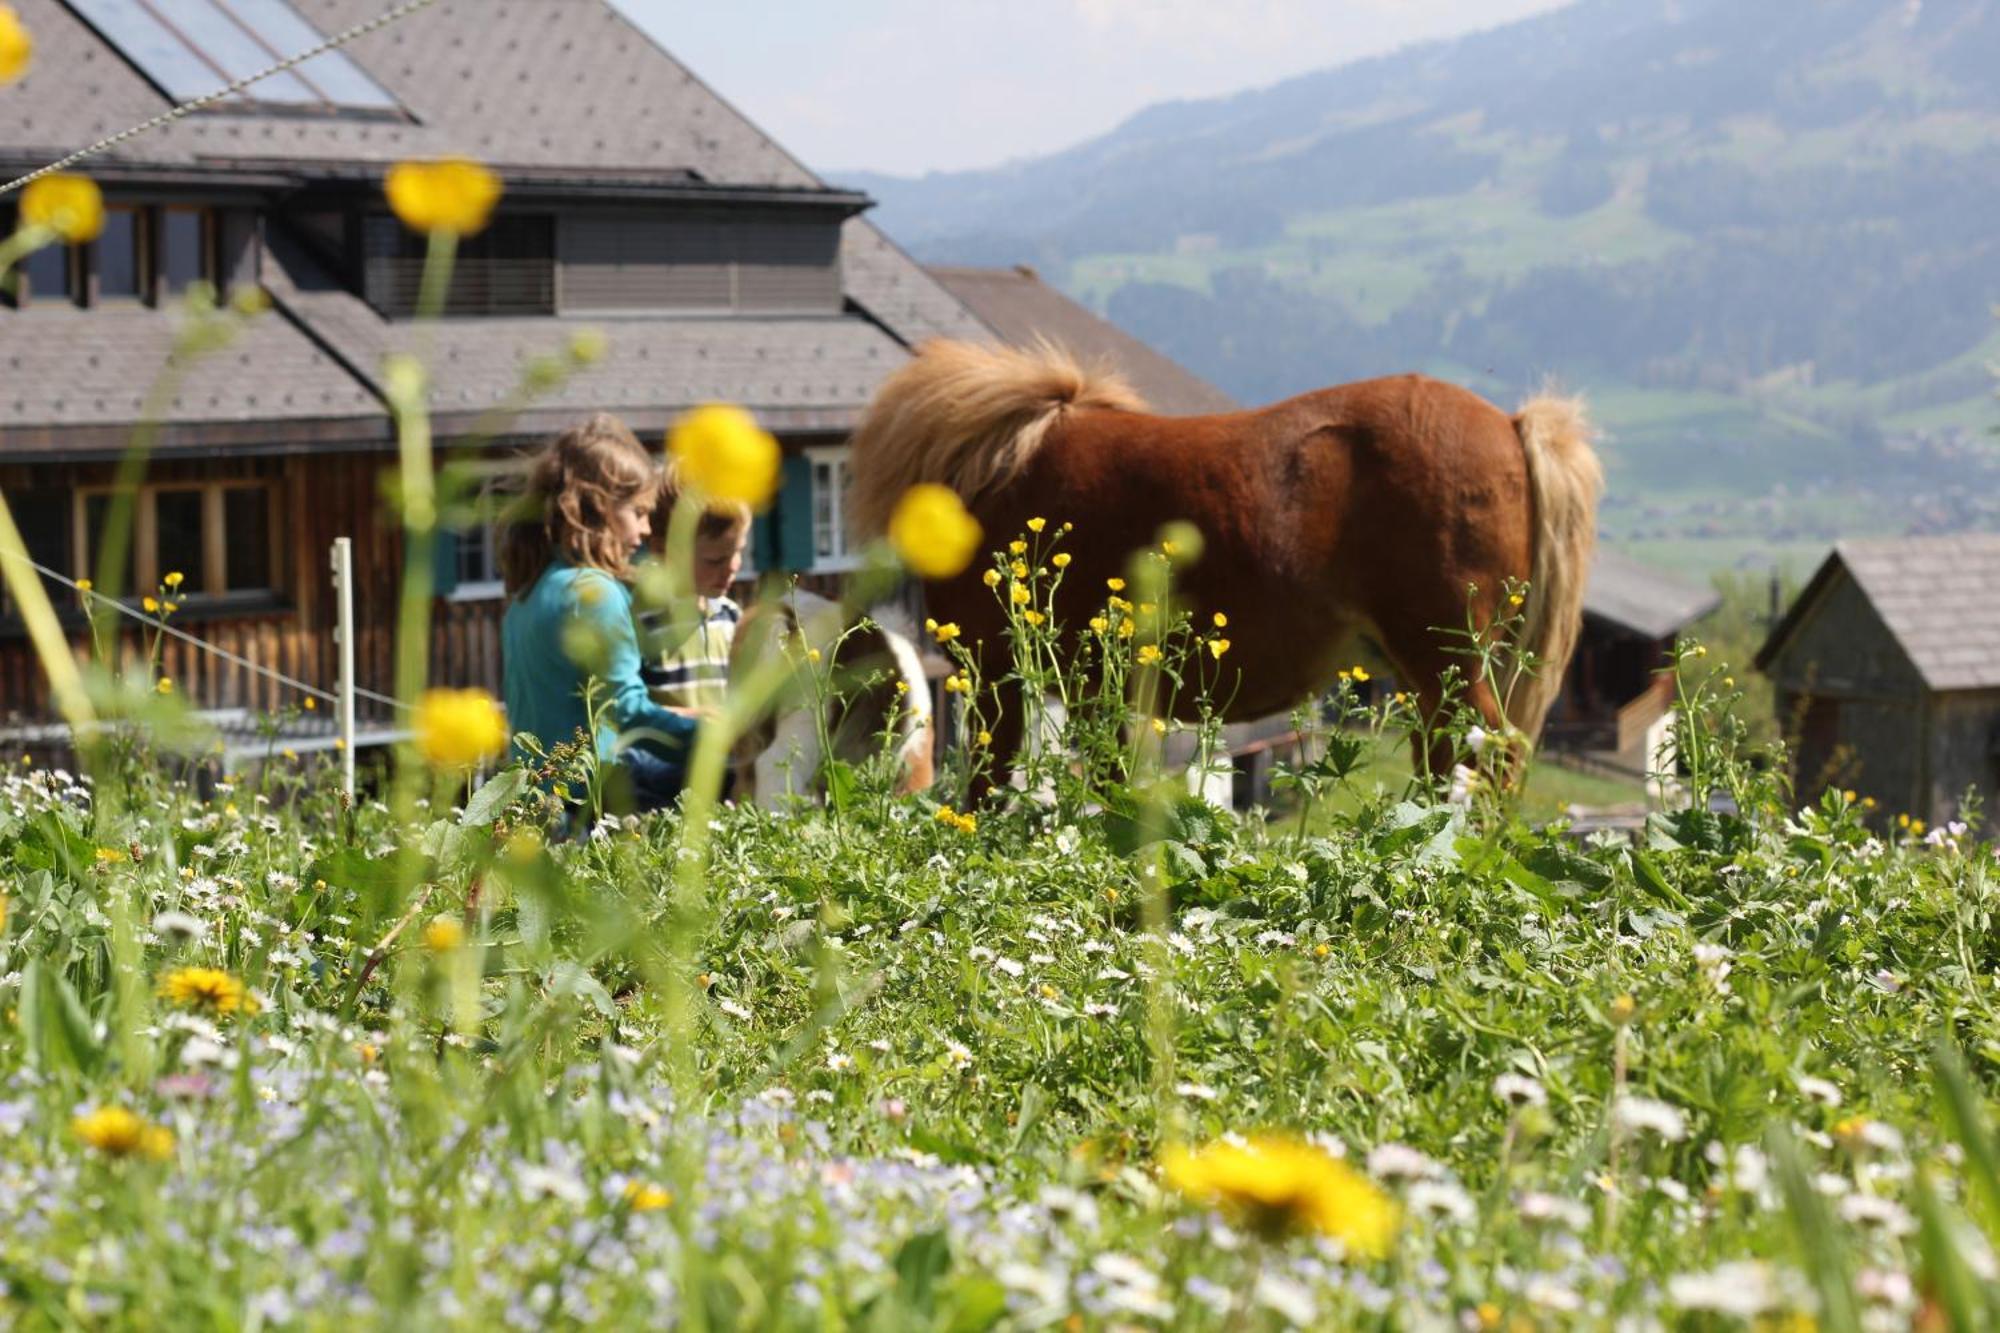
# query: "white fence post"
{"points": [[343, 582]]}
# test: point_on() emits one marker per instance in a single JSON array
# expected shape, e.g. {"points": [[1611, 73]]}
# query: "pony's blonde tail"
{"points": [[1566, 478], [967, 416]]}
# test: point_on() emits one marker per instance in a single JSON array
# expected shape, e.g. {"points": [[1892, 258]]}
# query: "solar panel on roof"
{"points": [[192, 47]]}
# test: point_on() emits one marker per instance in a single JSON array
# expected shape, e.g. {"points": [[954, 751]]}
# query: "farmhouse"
{"points": [[1887, 669], [638, 204]]}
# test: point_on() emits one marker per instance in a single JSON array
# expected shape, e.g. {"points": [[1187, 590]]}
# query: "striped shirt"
{"points": [[693, 672]]}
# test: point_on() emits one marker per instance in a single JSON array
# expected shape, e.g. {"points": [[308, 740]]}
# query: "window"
{"points": [[45, 276], [831, 479], [188, 48], [43, 517], [116, 257], [220, 536], [508, 269], [468, 558], [186, 250], [749, 260]]}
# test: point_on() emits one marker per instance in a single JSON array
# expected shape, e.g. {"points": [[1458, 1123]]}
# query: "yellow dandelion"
{"points": [[720, 450], [932, 531], [453, 194], [459, 729], [116, 1131], [70, 206], [1277, 1185], [443, 934], [641, 1197], [208, 989], [111, 854], [1037, 524], [17, 48]]}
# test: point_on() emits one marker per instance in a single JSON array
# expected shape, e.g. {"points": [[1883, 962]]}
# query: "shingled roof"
{"points": [[557, 93], [1939, 597], [1018, 307], [1640, 598]]}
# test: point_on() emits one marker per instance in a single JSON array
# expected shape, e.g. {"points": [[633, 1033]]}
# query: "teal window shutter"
{"points": [[764, 542], [794, 516], [444, 561]]}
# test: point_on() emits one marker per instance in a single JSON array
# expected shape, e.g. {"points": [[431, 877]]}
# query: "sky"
{"points": [[910, 86]]}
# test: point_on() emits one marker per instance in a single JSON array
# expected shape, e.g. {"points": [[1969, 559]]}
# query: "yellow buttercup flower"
{"points": [[1099, 624], [645, 1198], [1033, 617], [1037, 524], [1217, 647], [1116, 585], [1017, 547], [1277, 1185], [991, 578], [933, 533], [164, 685], [175, 579], [150, 605], [945, 633], [70, 206], [442, 934], [453, 194], [116, 1131], [1019, 569], [984, 738], [1360, 675], [17, 48], [1060, 559], [1159, 726], [1018, 595], [1221, 621], [1149, 654], [722, 452], [208, 989], [458, 729]]}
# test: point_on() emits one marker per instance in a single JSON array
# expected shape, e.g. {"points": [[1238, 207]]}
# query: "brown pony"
{"points": [[1401, 504]]}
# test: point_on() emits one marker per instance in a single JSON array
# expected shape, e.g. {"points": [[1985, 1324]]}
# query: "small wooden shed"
{"points": [[1887, 669]]}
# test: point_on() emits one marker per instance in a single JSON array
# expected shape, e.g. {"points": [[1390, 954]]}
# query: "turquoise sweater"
{"points": [[544, 687]]}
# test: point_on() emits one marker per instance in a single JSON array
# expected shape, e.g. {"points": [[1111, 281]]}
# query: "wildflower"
{"points": [[933, 533], [442, 934], [84, 585], [1276, 1185], [17, 48], [991, 578], [311, 704], [457, 729], [1647, 1113], [1037, 524], [453, 194], [1360, 675], [208, 989], [1033, 617], [1125, 628], [1116, 585], [1149, 654], [174, 579], [111, 854], [1622, 1009], [1017, 547], [70, 206], [984, 739], [945, 633], [1877, 1213], [1516, 1090], [1018, 595], [1217, 647], [1159, 726], [118, 1132], [1099, 624], [1060, 559], [1018, 569], [1220, 620], [722, 451], [1392, 1161], [150, 605], [164, 685], [812, 655], [644, 1198]]}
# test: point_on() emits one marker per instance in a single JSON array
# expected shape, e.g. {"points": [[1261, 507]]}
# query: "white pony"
{"points": [[877, 686]]}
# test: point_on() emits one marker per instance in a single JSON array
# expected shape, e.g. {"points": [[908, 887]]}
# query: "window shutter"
{"points": [[444, 561], [793, 518], [764, 542]]}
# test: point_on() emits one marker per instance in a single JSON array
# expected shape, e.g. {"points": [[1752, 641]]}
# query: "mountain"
{"points": [[1758, 236]]}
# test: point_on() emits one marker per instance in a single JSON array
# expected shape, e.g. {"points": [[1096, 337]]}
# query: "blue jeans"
{"points": [[649, 780]]}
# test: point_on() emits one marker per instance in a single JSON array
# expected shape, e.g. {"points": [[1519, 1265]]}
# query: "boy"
{"points": [[686, 668]]}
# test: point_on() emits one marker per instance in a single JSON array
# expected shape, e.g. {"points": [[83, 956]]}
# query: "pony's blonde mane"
{"points": [[1566, 478], [968, 416]]}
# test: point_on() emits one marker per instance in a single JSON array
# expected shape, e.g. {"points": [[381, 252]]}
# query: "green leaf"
{"points": [[976, 1304], [1966, 1121], [53, 1020], [1945, 1269], [923, 1260], [493, 796], [1647, 871]]}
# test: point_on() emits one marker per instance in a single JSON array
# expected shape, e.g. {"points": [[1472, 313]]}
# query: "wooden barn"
{"points": [[1887, 670], [638, 204], [1616, 705]]}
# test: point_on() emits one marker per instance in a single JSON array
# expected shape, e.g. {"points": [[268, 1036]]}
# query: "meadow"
{"points": [[278, 1060]]}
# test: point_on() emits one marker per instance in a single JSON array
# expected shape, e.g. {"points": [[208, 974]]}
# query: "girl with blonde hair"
{"points": [[566, 561]]}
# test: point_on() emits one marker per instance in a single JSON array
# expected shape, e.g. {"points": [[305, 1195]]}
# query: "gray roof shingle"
{"points": [[1643, 599], [1940, 597]]}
